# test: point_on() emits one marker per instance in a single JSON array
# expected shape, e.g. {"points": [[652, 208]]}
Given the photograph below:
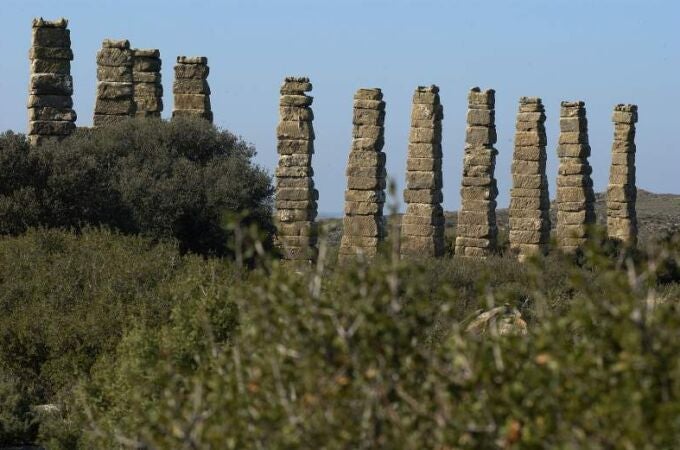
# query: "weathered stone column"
{"points": [[190, 89], [363, 225], [295, 194], [422, 226], [50, 106], [476, 232], [529, 198], [146, 76], [622, 192], [115, 89], [575, 196]]}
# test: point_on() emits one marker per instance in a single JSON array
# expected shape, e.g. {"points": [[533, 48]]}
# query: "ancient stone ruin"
{"points": [[621, 192], [422, 226], [115, 89], [190, 89], [295, 193], [529, 199], [129, 85], [363, 224], [50, 106], [146, 77], [476, 232], [575, 197]]}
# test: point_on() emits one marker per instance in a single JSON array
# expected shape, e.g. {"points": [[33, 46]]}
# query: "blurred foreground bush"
{"points": [[134, 345], [65, 301], [378, 356]]}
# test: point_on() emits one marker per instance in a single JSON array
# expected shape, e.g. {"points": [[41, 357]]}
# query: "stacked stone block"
{"points": [[50, 106], [422, 226], [476, 234], [146, 77], [575, 196], [622, 192], [190, 89], [363, 224], [529, 198], [115, 88], [296, 197]]}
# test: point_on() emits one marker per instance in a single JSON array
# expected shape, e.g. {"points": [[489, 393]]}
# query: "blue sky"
{"points": [[601, 51]]}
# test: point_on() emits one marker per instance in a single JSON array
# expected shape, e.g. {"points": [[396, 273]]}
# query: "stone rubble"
{"points": [[363, 224], [502, 320], [50, 106], [146, 77], [575, 196], [115, 89], [296, 197], [190, 89], [621, 192], [422, 225], [476, 232], [529, 210]]}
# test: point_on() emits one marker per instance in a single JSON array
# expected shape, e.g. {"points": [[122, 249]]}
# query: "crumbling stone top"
{"points": [[479, 97], [113, 43], [627, 114], [296, 86], [478, 89], [192, 60], [434, 89], [42, 23], [296, 80], [576, 104], [530, 100], [626, 108], [147, 52], [368, 94]]}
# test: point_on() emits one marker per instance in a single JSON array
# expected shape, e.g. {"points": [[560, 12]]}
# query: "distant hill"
{"points": [[657, 215]]}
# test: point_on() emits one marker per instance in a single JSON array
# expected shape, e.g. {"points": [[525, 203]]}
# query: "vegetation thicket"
{"points": [[115, 337], [178, 179], [140, 346]]}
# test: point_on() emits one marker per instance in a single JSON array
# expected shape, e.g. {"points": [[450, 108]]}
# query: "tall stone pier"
{"points": [[363, 224], [529, 198], [575, 195], [476, 233], [115, 89], [190, 89], [50, 106], [146, 76], [622, 192], [296, 197], [422, 226]]}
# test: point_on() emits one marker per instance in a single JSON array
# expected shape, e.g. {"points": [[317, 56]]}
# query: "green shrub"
{"points": [[141, 347], [178, 179], [17, 423], [66, 300], [377, 356]]}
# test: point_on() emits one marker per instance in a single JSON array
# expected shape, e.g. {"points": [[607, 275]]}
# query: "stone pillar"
{"points": [[363, 225], [422, 226], [50, 106], [146, 76], [295, 194], [476, 232], [190, 89], [529, 198], [575, 196], [622, 193], [115, 89]]}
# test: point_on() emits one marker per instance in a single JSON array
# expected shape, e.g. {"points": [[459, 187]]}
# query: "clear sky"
{"points": [[601, 51]]}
